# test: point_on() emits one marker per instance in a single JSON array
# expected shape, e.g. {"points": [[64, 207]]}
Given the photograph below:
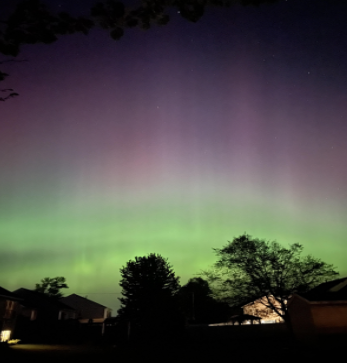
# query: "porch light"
{"points": [[5, 335]]}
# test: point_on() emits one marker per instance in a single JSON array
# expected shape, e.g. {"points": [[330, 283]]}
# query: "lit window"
{"points": [[33, 315]]}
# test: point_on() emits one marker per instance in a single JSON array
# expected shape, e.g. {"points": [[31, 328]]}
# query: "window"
{"points": [[9, 309], [33, 315]]}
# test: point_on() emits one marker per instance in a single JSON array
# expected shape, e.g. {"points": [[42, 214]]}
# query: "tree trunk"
{"points": [[288, 322]]}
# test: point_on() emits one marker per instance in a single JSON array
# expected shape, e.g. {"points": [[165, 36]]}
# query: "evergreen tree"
{"points": [[149, 302]]}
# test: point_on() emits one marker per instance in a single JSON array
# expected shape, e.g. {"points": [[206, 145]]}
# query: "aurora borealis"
{"points": [[173, 141]]}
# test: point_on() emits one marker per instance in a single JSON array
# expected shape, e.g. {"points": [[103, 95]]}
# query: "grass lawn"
{"points": [[245, 351]]}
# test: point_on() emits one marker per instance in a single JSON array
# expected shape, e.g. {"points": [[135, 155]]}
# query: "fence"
{"points": [[238, 333]]}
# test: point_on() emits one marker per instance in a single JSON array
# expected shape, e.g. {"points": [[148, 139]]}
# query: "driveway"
{"points": [[57, 352]]}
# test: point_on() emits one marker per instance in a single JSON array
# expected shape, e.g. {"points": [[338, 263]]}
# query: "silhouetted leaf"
{"points": [[3, 76], [146, 25], [132, 22], [192, 12], [117, 33], [117, 9], [48, 37], [163, 20], [98, 10], [65, 16], [9, 49]]}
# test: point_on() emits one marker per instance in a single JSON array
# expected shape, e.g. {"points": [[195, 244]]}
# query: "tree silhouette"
{"points": [[149, 288], [32, 22], [249, 268], [199, 306], [52, 286]]}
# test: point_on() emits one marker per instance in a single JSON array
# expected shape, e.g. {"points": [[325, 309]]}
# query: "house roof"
{"points": [[335, 290], [8, 294], [76, 301], [258, 300], [39, 300]]}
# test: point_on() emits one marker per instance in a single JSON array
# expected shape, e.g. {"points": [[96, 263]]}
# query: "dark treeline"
{"points": [[155, 308]]}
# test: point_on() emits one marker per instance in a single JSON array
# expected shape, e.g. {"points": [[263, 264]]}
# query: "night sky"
{"points": [[173, 141]]}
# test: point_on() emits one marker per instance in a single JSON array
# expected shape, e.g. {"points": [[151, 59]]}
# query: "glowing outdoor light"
{"points": [[5, 335]]}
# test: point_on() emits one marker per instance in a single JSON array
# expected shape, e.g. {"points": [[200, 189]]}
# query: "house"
{"points": [[37, 305], [88, 311], [44, 319], [9, 310], [254, 312], [267, 315], [321, 311]]}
